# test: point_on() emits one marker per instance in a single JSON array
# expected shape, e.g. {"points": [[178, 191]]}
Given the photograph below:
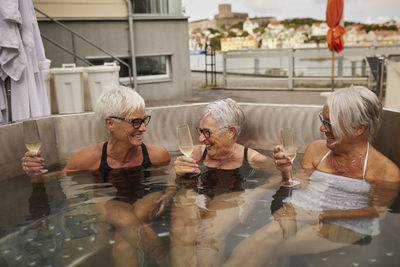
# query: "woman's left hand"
{"points": [[282, 162]]}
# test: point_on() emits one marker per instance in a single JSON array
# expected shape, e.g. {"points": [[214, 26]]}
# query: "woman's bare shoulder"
{"points": [[158, 155], [382, 167], [88, 158], [314, 153]]}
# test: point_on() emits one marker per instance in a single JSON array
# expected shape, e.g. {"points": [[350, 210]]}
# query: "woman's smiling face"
{"points": [[219, 141], [126, 133]]}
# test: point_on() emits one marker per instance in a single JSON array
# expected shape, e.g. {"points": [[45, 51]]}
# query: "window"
{"points": [[148, 68], [157, 6], [153, 67]]}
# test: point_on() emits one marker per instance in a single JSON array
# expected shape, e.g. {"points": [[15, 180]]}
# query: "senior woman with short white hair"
{"points": [[123, 111], [220, 126], [205, 213], [124, 114], [348, 185]]}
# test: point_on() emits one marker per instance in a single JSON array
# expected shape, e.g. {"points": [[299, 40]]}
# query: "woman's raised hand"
{"points": [[184, 164], [32, 162], [282, 162]]}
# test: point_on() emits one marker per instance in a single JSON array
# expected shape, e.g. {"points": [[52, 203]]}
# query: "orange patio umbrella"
{"points": [[334, 37]]}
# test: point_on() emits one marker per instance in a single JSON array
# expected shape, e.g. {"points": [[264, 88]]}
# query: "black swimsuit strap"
{"points": [[146, 163], [245, 161], [104, 168]]}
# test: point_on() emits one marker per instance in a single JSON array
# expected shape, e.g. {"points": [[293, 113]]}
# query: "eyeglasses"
{"points": [[136, 123], [326, 123], [206, 132]]}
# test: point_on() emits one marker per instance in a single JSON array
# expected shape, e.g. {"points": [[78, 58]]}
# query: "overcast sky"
{"points": [[354, 10]]}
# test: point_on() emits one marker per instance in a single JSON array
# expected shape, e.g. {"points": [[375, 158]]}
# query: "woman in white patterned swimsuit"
{"points": [[350, 186]]}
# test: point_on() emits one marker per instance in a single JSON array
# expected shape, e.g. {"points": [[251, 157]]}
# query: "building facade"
{"points": [[150, 36], [238, 43]]}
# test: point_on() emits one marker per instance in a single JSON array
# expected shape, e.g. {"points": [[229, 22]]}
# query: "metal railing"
{"points": [[73, 52], [253, 69]]}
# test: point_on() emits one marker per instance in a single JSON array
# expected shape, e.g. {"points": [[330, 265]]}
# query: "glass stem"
{"points": [[290, 174]]}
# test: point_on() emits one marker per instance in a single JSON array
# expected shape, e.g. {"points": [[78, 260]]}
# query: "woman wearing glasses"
{"points": [[349, 186], [132, 208], [123, 111], [210, 204]]}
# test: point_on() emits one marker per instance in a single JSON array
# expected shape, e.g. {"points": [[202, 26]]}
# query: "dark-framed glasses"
{"points": [[326, 123], [136, 123], [206, 132]]}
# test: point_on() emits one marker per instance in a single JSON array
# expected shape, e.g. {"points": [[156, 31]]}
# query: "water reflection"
{"points": [[80, 218], [304, 223], [205, 210]]}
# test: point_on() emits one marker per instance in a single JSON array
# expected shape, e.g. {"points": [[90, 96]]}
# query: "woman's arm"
{"points": [[159, 156]]}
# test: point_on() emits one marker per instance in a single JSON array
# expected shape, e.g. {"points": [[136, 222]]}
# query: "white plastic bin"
{"points": [[100, 78], [47, 79], [68, 82]]}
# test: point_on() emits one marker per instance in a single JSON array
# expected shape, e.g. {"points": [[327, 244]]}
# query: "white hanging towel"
{"points": [[22, 58]]}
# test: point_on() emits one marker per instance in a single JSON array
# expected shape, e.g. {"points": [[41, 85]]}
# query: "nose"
{"points": [[201, 138], [142, 127], [323, 129]]}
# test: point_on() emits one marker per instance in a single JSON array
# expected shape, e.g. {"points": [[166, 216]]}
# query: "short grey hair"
{"points": [[226, 112], [353, 107], [118, 101]]}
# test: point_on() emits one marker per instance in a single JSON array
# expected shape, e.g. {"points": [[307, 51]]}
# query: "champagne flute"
{"points": [[185, 141], [32, 137], [289, 147]]}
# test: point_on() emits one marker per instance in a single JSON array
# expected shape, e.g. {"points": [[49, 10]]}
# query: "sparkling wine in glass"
{"points": [[289, 147], [185, 142], [32, 137]]}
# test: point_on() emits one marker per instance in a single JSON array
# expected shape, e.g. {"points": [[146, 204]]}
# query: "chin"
{"points": [[136, 141], [210, 150], [331, 143]]}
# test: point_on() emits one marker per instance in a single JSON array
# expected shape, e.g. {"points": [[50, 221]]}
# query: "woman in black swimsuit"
{"points": [[124, 114], [203, 215]]}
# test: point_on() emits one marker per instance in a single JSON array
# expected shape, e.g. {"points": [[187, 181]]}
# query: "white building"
{"points": [[249, 26], [319, 29]]}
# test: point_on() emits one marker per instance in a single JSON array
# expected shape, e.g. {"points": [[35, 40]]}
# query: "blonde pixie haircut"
{"points": [[353, 107], [118, 101]]}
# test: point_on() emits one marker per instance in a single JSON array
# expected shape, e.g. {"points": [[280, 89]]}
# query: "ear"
{"points": [[360, 130], [110, 124], [232, 131]]}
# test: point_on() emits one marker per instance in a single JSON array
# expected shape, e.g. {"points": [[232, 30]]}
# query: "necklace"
{"points": [[346, 165]]}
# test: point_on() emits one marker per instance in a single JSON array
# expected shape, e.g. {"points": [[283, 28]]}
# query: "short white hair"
{"points": [[118, 101], [353, 107], [226, 112]]}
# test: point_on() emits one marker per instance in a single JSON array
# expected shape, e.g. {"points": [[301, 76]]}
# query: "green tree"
{"points": [[259, 29], [375, 27], [238, 25], [216, 42], [232, 34], [296, 22], [244, 34]]}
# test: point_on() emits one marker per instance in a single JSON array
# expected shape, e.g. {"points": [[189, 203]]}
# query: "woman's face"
{"points": [[220, 140], [331, 141], [126, 133]]}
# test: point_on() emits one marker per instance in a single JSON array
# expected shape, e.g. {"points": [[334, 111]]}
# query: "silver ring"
{"points": [[276, 162]]}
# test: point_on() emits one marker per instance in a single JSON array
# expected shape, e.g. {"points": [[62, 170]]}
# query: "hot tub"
{"points": [[57, 235]]}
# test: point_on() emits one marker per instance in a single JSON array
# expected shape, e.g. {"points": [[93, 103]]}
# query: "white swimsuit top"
{"points": [[365, 161], [326, 191]]}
